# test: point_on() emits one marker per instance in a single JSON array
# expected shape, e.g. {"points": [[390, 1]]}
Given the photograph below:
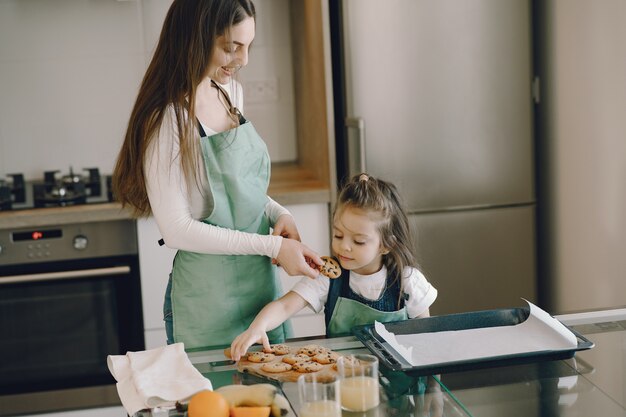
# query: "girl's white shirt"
{"points": [[179, 207], [421, 294]]}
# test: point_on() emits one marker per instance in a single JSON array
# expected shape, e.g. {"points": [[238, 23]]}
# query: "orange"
{"points": [[250, 412], [208, 404]]}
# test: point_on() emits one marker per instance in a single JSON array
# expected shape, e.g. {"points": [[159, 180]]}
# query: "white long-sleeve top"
{"points": [[179, 207]]}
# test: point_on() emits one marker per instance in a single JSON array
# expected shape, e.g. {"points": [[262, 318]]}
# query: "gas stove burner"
{"points": [[12, 191], [5, 196], [59, 195], [66, 190], [91, 181], [54, 190]]}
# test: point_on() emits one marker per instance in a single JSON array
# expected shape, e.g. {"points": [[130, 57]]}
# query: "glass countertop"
{"points": [[592, 383]]}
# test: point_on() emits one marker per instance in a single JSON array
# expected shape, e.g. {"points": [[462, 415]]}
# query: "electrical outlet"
{"points": [[261, 90]]}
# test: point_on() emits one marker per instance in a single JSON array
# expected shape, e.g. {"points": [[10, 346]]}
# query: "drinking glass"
{"points": [[359, 382], [319, 396]]}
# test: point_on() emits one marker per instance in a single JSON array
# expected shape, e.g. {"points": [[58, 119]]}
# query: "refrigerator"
{"points": [[581, 131], [436, 97]]}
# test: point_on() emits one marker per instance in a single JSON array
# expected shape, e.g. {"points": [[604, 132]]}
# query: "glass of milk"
{"points": [[319, 396], [359, 382]]}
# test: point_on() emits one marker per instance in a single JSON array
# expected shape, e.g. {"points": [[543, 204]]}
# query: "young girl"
{"points": [[379, 280], [199, 167]]}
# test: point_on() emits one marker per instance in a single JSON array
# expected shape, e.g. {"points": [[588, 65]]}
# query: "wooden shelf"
{"points": [[292, 183]]}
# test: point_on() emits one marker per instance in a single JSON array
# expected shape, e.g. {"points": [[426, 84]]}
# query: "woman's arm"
{"points": [[171, 203], [270, 317], [176, 206]]}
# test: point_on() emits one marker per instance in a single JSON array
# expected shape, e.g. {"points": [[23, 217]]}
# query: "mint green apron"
{"points": [[349, 313], [216, 297]]}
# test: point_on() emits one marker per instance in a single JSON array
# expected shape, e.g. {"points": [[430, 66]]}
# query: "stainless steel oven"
{"points": [[69, 296]]}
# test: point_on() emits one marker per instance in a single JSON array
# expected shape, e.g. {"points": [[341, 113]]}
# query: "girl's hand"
{"points": [[286, 227], [297, 259], [240, 345]]}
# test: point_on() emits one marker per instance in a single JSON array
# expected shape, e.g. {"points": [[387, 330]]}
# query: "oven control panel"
{"points": [[38, 251], [67, 242]]}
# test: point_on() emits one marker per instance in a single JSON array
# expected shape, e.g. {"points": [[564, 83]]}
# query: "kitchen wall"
{"points": [[70, 69]]}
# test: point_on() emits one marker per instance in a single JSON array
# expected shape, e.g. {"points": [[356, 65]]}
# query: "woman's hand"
{"points": [[297, 259], [240, 345], [286, 227]]}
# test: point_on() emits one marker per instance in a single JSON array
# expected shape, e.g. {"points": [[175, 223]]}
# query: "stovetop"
{"points": [[55, 189]]}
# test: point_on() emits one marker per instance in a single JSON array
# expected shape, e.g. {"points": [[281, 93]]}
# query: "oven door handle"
{"points": [[82, 273]]}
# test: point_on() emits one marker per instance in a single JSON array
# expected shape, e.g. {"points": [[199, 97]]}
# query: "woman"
{"points": [[191, 160]]}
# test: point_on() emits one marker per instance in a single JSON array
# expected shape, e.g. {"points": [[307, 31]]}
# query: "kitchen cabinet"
{"points": [[155, 263]]}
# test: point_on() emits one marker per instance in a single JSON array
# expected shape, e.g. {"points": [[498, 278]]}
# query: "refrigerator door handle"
{"points": [[355, 145]]}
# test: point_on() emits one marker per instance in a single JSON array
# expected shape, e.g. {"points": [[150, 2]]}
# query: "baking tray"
{"points": [[461, 321]]}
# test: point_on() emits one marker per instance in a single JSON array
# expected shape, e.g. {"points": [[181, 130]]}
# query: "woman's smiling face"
{"points": [[231, 51], [356, 241]]}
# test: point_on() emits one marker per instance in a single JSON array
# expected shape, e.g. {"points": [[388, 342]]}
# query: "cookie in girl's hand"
{"points": [[330, 268], [279, 349]]}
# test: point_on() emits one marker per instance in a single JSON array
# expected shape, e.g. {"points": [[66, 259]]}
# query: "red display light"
{"points": [[31, 235]]}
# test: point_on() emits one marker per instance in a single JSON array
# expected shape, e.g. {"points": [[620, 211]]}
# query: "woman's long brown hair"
{"points": [[178, 65]]}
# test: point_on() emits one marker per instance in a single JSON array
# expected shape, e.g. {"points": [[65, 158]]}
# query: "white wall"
{"points": [[70, 69]]}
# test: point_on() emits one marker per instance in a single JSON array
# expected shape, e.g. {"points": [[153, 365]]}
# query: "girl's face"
{"points": [[356, 241], [231, 51]]}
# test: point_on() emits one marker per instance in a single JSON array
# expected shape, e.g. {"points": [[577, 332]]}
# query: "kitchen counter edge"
{"points": [[113, 211]]}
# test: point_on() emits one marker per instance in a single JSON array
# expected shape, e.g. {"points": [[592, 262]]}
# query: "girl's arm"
{"points": [[424, 314], [272, 315], [421, 294]]}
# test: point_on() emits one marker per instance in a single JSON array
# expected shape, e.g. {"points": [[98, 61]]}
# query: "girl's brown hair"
{"points": [[381, 198], [178, 65]]}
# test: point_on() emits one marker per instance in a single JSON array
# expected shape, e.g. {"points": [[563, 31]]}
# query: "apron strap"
{"points": [[334, 292], [232, 109], [200, 129]]}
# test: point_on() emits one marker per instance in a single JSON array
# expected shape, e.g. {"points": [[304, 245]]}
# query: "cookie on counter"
{"points": [[312, 350], [326, 358], [295, 357], [306, 367], [259, 357], [348, 362], [276, 367]]}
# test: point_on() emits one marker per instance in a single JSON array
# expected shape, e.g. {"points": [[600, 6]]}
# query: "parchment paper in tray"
{"points": [[539, 332]]}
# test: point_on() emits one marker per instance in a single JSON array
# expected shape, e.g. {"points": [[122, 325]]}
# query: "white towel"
{"points": [[155, 378]]}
